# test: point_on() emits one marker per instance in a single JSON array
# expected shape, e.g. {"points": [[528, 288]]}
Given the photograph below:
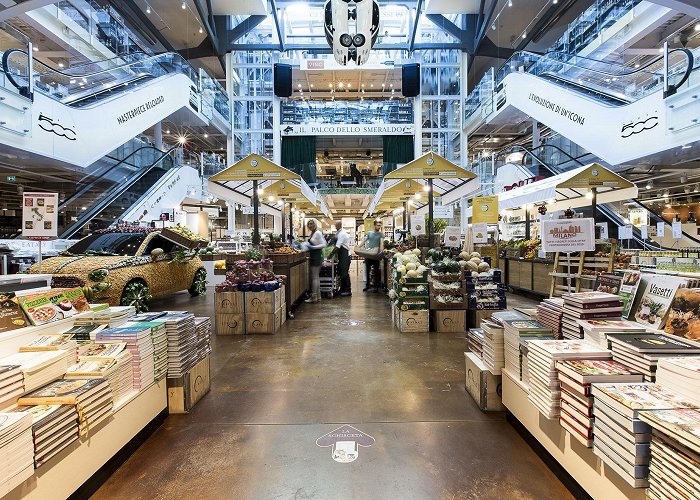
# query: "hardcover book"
{"points": [[63, 392], [49, 343], [628, 399], [11, 314], [587, 371], [628, 291], [656, 299], [684, 314], [608, 283], [654, 342], [681, 423], [591, 297]]}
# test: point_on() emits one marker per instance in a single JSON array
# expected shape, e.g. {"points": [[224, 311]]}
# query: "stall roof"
{"points": [[569, 189], [397, 190]]}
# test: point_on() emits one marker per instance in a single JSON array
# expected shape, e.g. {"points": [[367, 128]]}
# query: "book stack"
{"points": [[588, 305], [202, 328], [40, 368], [138, 341], [17, 450], [159, 337], [492, 346], [475, 341], [11, 382], [681, 376], [596, 331], [642, 352], [542, 356], [575, 379], [85, 333], [54, 427], [182, 342], [112, 317], [620, 438], [513, 332], [91, 397], [550, 313], [112, 362], [674, 470]]}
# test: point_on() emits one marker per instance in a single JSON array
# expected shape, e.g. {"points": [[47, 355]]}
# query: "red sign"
{"points": [[523, 182]]}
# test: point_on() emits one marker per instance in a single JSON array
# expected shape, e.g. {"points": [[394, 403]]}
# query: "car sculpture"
{"points": [[351, 41], [126, 266]]}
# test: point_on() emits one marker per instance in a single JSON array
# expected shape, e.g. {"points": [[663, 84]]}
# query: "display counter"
{"points": [[578, 461], [530, 275], [296, 267]]}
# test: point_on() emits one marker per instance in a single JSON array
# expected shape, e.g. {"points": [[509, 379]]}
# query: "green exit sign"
{"points": [[11, 178]]}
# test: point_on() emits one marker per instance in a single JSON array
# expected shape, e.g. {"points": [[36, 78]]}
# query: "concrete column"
{"points": [[418, 125], [231, 225], [229, 91], [158, 135]]}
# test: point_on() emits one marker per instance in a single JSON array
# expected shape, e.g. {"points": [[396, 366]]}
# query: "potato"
{"points": [[472, 266], [483, 267], [475, 254], [475, 260]]}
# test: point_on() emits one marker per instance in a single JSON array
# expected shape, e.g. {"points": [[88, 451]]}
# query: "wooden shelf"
{"points": [[580, 462]]}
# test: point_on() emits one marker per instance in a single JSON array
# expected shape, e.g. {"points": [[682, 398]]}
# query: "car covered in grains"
{"points": [[127, 266]]}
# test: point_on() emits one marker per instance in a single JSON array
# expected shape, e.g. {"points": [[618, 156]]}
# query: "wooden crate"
{"points": [[264, 302], [412, 321], [450, 321], [184, 392], [230, 324], [229, 303], [267, 323], [483, 386]]}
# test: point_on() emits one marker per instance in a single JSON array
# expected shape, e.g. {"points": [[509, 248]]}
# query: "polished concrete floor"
{"points": [[338, 362]]}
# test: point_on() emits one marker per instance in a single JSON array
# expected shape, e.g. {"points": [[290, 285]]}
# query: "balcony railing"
{"points": [[350, 112]]}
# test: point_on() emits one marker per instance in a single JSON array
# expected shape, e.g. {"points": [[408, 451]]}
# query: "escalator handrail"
{"points": [[85, 188], [609, 63], [86, 75], [116, 191]]}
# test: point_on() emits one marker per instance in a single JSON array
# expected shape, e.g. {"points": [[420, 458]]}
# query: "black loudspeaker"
{"points": [[283, 80], [410, 80]]}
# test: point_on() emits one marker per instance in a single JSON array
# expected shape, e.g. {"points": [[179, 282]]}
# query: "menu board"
{"points": [[39, 216]]}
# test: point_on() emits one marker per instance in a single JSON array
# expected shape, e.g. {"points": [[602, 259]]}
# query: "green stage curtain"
{"points": [[299, 155], [397, 149]]}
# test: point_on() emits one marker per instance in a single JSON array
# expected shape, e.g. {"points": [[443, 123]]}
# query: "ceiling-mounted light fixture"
{"points": [[524, 34], [201, 30], [183, 6], [650, 184], [148, 9], [493, 26], [510, 3], [666, 194]]}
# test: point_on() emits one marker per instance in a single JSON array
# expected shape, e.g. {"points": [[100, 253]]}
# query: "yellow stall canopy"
{"points": [[393, 193], [254, 167], [430, 166]]}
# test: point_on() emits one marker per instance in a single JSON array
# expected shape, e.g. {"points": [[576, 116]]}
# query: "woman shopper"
{"points": [[375, 239], [315, 244]]}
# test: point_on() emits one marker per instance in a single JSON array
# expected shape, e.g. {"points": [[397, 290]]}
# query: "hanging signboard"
{"points": [[247, 210], [333, 129], [603, 230], [254, 167], [430, 166], [485, 209], [480, 232], [568, 235], [625, 232], [638, 216], [452, 237], [660, 229], [443, 212], [388, 221], [644, 229], [676, 230], [39, 216], [417, 225], [595, 176]]}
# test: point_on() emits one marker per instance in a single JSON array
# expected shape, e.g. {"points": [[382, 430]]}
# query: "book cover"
{"points": [[49, 343], [64, 392], [689, 363], [11, 314], [588, 297], [628, 290], [640, 396], [586, 371], [85, 332], [39, 309], [654, 342], [76, 296], [527, 326], [608, 283], [680, 421], [102, 350], [91, 368], [684, 314], [656, 299], [610, 325]]}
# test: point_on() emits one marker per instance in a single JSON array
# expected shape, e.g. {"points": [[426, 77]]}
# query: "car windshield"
{"points": [[108, 244]]}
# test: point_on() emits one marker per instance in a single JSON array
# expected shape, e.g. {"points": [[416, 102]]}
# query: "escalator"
{"points": [[123, 95], [648, 111], [97, 207]]}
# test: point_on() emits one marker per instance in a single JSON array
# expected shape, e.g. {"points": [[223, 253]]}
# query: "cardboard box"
{"points": [[412, 321], [230, 324], [450, 321], [229, 302], [184, 392], [483, 386]]}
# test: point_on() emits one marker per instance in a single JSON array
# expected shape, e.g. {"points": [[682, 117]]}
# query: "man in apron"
{"points": [[342, 248]]}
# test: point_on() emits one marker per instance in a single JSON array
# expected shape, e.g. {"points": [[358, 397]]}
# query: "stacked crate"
{"points": [[410, 307], [485, 292], [448, 316], [239, 313]]}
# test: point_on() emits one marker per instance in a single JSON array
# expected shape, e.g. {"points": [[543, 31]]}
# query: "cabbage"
{"points": [[412, 273], [411, 266], [416, 251], [422, 269], [401, 269], [408, 252]]}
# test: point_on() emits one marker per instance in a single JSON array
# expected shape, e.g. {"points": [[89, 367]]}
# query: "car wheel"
{"points": [[136, 293], [199, 283]]}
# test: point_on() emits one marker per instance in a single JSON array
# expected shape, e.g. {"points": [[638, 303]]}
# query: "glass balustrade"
{"points": [[347, 112]]}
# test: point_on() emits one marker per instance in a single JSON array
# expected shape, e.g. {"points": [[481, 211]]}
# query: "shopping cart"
{"points": [[329, 277]]}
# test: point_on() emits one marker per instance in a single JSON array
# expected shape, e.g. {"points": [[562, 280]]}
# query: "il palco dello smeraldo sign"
{"points": [[340, 129]]}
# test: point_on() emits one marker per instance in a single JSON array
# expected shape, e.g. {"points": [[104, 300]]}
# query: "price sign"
{"points": [[660, 229], [676, 230], [625, 232], [417, 225], [480, 233], [603, 229], [452, 237], [644, 229]]}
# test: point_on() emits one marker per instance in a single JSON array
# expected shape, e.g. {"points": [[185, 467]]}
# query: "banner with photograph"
{"points": [[568, 235], [40, 216]]}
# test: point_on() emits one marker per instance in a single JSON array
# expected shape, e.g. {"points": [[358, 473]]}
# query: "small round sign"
{"points": [[430, 161], [254, 163]]}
